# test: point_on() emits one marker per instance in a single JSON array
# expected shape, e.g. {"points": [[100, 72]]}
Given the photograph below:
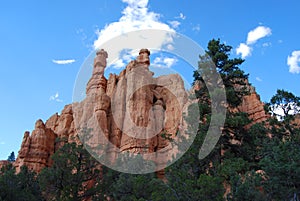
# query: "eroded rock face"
{"points": [[253, 106], [36, 148], [63, 125], [131, 110]]}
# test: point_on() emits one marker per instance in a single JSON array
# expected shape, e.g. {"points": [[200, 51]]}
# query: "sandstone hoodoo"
{"points": [[36, 148], [128, 112]]}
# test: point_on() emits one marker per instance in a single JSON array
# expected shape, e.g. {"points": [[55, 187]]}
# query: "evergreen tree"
{"points": [[217, 58], [74, 175], [195, 179], [282, 171], [281, 159], [21, 187], [11, 157], [141, 187], [284, 104]]}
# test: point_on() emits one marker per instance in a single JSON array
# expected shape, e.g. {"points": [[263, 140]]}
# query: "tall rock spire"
{"points": [[98, 81]]}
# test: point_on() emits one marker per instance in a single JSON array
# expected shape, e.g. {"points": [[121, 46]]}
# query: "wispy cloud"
{"points": [[245, 49], [181, 16], [55, 97], [164, 62], [175, 24], [135, 18], [63, 62], [258, 79], [2, 143], [293, 62]]}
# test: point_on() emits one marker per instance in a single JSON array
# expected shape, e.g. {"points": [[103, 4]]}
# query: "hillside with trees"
{"points": [[251, 160]]}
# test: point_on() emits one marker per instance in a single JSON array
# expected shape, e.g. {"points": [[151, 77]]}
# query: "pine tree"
{"points": [[68, 178], [22, 186], [11, 157]]}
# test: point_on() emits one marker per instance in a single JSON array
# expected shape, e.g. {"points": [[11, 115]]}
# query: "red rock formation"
{"points": [[131, 110], [253, 106], [4, 163], [36, 148], [63, 125]]}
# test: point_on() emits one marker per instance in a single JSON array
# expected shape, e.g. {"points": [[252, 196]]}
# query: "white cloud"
{"points": [[2, 143], [135, 18], [181, 16], [55, 97], [63, 62], [174, 24], [244, 50], [258, 33], [293, 62], [259, 79], [164, 62], [118, 64]]}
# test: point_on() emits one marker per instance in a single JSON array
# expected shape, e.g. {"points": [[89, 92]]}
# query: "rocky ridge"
{"points": [[129, 109]]}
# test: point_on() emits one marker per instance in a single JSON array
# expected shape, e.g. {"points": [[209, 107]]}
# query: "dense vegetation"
{"points": [[264, 165]]}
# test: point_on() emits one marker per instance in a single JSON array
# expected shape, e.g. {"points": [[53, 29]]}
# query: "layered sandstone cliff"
{"points": [[253, 106], [127, 112], [36, 148]]}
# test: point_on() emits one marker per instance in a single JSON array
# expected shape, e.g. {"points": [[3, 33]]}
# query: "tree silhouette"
{"points": [[11, 157]]}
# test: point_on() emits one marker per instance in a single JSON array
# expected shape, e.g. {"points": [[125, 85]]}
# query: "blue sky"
{"points": [[44, 43]]}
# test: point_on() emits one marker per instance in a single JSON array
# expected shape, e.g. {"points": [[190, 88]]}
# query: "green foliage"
{"points": [[252, 148], [141, 187], [247, 187], [21, 187], [209, 188], [66, 179], [231, 166], [284, 105], [253, 142], [282, 167], [217, 58], [188, 186]]}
